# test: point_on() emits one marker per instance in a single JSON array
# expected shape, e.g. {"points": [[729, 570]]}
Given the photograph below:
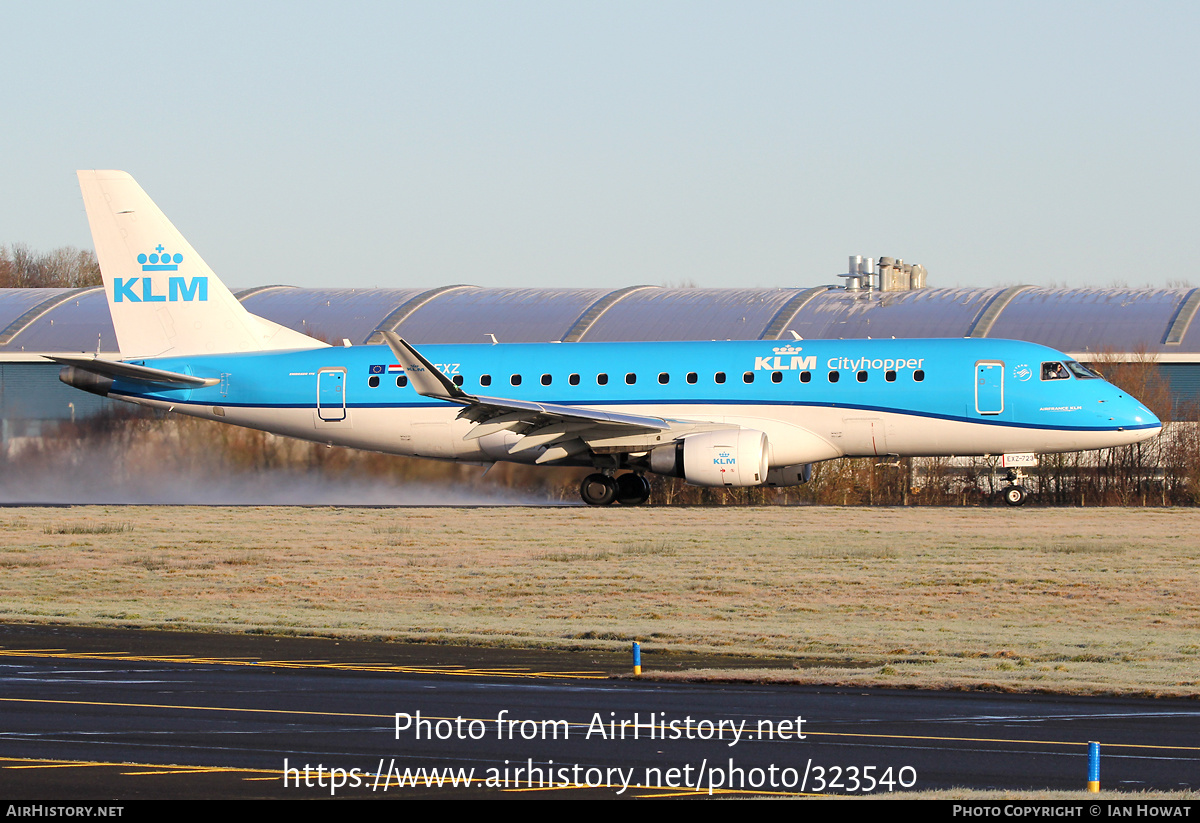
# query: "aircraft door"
{"points": [[989, 387], [331, 394]]}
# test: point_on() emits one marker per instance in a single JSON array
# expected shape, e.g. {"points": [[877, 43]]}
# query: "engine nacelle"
{"points": [[734, 457]]}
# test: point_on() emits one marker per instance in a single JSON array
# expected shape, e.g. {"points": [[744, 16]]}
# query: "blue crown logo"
{"points": [[159, 261]]}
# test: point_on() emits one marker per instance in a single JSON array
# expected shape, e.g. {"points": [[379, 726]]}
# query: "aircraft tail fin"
{"points": [[164, 299]]}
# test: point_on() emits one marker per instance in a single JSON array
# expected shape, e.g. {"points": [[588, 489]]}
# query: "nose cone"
{"points": [[1135, 420]]}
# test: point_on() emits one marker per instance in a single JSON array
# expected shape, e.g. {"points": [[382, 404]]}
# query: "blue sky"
{"points": [[605, 144]]}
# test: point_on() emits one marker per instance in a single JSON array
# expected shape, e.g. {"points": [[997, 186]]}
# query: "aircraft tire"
{"points": [[598, 489], [1014, 495], [632, 489]]}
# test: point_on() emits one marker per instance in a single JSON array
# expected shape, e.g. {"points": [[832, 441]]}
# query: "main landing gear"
{"points": [[630, 489]]}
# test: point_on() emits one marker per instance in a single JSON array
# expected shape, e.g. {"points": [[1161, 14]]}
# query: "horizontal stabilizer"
{"points": [[131, 373]]}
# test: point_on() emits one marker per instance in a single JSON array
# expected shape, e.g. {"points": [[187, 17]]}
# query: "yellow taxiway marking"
{"points": [[59, 765], [668, 791], [157, 768], [661, 731], [193, 708], [458, 671], [808, 734], [186, 770]]}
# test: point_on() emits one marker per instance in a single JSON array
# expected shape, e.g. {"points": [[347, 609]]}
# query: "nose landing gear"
{"points": [[1014, 495]]}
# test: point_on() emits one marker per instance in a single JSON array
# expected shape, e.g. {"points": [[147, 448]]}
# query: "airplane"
{"points": [[720, 413]]}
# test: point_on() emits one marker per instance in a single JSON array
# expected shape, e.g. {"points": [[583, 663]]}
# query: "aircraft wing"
{"points": [[562, 430]]}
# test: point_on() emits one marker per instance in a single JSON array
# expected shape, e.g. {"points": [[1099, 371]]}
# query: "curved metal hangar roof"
{"points": [[1157, 321]]}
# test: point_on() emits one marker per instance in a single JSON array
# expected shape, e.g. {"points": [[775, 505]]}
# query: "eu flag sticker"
{"points": [[378, 369]]}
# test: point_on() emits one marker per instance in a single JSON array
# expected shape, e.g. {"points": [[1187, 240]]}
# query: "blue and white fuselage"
{"points": [[714, 413], [832, 399]]}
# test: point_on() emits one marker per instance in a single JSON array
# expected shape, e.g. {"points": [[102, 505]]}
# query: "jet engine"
{"points": [[736, 457]]}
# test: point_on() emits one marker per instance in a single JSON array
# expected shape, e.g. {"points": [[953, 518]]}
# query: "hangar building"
{"points": [[1114, 323]]}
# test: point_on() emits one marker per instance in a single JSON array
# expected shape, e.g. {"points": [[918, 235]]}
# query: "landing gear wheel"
{"points": [[598, 489], [1014, 495], [632, 489]]}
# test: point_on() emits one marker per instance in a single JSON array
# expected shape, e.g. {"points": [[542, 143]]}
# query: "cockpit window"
{"points": [[1081, 371], [1053, 370]]}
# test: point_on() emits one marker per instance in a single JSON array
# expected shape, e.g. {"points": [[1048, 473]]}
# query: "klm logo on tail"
{"points": [[159, 261], [179, 289]]}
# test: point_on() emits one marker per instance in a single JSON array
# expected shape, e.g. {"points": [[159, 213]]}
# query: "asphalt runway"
{"points": [[106, 714]]}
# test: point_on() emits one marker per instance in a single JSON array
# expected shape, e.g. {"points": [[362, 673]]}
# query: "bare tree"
{"points": [[66, 267]]}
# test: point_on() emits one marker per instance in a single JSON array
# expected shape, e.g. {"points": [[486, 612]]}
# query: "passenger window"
{"points": [[889, 376], [748, 377], [805, 376], [664, 378], [546, 379], [401, 381], [833, 377], [776, 377], [630, 378], [602, 379], [515, 380], [1053, 370], [862, 377], [719, 377], [484, 380], [692, 377], [919, 375], [458, 379], [573, 380], [373, 382]]}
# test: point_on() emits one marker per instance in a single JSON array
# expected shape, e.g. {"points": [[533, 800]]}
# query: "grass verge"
{"points": [[1045, 600]]}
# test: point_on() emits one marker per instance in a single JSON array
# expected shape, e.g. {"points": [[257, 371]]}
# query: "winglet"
{"points": [[423, 376]]}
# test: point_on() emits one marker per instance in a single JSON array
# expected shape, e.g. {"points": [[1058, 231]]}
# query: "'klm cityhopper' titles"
{"points": [[788, 358]]}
